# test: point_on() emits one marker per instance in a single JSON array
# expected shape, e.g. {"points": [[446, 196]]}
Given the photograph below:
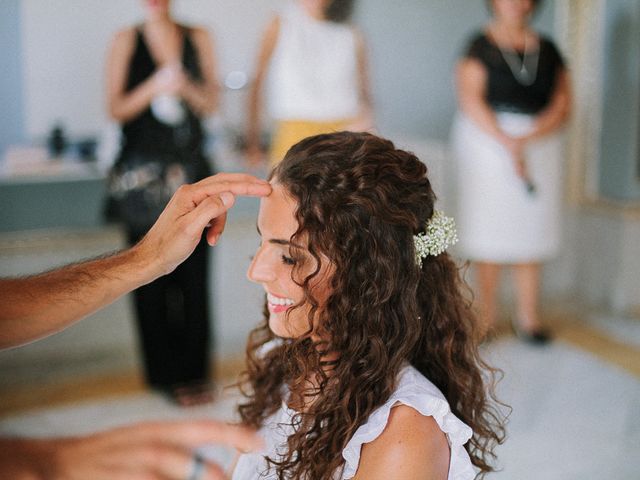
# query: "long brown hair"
{"points": [[360, 201]]}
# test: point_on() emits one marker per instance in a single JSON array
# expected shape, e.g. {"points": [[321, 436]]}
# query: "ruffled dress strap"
{"points": [[417, 392]]}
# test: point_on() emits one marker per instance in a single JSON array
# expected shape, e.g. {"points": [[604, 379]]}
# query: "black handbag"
{"points": [[141, 184]]}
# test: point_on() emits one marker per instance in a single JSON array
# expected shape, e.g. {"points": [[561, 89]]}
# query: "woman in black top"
{"points": [[160, 83], [513, 93]]}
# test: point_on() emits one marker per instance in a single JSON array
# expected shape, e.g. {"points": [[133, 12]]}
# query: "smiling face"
{"points": [[276, 266]]}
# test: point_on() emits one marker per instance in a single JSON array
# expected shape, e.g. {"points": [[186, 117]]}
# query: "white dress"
{"points": [[413, 390], [498, 220], [313, 73]]}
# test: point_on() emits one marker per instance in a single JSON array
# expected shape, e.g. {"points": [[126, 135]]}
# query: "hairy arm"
{"points": [[43, 304], [411, 447], [142, 450], [203, 96]]}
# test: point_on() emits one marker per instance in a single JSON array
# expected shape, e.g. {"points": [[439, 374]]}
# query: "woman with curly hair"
{"points": [[366, 364]]}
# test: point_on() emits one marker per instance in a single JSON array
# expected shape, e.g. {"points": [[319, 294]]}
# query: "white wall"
{"points": [[65, 43]]}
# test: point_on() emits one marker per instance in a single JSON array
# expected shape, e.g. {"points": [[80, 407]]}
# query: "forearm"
{"points": [[484, 117], [550, 120], [131, 104], [33, 307], [26, 459], [555, 115], [364, 84], [202, 98], [255, 93], [253, 116]]}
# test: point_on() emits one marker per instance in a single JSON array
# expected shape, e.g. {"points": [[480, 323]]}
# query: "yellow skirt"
{"points": [[290, 132]]}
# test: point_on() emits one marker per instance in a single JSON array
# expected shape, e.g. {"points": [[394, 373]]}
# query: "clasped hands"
{"points": [[169, 80]]}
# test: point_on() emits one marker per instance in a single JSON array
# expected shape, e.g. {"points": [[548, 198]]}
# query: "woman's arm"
{"points": [[365, 119], [556, 113], [411, 447], [471, 84], [202, 96], [267, 47], [122, 105]]}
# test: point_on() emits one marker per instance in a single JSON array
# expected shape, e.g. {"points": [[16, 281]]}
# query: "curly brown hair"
{"points": [[359, 203]]}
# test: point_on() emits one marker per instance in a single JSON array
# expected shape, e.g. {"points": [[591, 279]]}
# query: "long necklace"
{"points": [[524, 71]]}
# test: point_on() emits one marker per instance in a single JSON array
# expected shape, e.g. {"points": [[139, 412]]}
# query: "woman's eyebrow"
{"points": [[279, 241]]}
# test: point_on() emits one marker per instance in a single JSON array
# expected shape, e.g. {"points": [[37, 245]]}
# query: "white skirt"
{"points": [[498, 220]]}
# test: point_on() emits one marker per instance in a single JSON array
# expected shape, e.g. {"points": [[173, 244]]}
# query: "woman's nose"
{"points": [[260, 270]]}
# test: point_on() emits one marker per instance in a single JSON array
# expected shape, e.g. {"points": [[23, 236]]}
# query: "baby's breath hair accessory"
{"points": [[439, 234]]}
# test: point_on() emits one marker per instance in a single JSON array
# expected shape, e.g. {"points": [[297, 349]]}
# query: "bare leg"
{"points": [[527, 291], [488, 276]]}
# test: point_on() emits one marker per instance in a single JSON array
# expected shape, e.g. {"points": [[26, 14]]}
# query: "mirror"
{"points": [[601, 39]]}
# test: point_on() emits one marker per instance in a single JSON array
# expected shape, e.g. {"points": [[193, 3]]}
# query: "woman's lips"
{"points": [[277, 304]]}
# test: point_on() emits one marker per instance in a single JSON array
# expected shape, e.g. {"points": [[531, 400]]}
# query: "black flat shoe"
{"points": [[191, 394], [538, 336]]}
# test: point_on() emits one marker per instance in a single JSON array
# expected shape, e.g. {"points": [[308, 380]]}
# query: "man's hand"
{"points": [[192, 209], [149, 450]]}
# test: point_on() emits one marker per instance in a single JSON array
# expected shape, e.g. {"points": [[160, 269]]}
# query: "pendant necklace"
{"points": [[525, 70]]}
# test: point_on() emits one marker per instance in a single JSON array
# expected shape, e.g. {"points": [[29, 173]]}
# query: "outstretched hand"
{"points": [[190, 211], [148, 450]]}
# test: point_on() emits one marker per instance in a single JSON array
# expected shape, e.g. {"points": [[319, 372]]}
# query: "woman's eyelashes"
{"points": [[288, 260]]}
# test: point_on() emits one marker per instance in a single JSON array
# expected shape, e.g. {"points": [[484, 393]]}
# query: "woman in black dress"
{"points": [[160, 83]]}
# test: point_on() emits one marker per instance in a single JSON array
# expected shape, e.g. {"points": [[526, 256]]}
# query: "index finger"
{"points": [[236, 183]]}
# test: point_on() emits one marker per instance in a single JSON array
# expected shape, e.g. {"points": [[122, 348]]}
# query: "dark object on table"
{"points": [[56, 142], [86, 149]]}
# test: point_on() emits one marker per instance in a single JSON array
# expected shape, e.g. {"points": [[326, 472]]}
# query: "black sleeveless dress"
{"points": [[173, 311], [152, 150]]}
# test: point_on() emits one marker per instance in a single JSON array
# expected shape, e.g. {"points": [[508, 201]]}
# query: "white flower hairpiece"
{"points": [[439, 234]]}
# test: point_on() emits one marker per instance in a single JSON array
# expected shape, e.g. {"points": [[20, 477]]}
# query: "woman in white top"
{"points": [[314, 64], [366, 364]]}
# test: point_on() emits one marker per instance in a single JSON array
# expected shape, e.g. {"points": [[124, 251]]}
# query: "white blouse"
{"points": [[413, 390], [313, 73]]}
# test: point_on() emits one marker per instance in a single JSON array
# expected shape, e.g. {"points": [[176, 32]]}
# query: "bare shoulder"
{"points": [[411, 447], [122, 45], [472, 65], [125, 36]]}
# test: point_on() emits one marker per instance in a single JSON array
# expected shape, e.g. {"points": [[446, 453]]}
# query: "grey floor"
{"points": [[574, 416]]}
